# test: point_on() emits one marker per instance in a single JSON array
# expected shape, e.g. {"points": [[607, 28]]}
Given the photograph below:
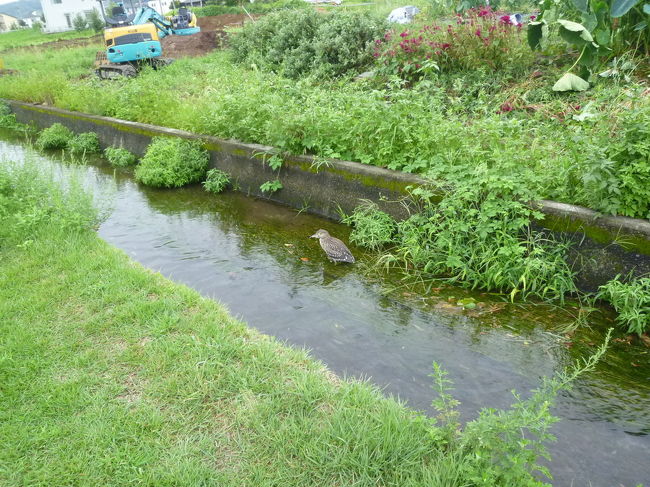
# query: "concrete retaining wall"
{"points": [[604, 245]]}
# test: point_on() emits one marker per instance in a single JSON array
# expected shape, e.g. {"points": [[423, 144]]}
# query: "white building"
{"points": [[59, 14]]}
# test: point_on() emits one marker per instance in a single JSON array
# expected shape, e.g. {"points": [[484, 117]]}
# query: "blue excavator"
{"points": [[132, 40]]}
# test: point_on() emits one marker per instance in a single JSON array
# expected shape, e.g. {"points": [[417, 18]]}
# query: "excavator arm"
{"points": [[182, 24]]}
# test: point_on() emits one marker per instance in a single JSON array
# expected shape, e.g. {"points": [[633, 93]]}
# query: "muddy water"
{"points": [[255, 258]]}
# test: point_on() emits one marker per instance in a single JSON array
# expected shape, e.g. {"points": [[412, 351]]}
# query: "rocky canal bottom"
{"points": [[256, 258]]}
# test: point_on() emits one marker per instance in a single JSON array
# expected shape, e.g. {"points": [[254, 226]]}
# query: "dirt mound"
{"points": [[193, 45], [212, 36], [218, 22]]}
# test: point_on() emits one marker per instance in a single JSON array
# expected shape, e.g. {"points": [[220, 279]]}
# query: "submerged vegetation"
{"points": [[105, 346]]}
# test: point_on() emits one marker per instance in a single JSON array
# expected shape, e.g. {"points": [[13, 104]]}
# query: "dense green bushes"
{"points": [[616, 169], [477, 232], [171, 163], [297, 43], [58, 136]]}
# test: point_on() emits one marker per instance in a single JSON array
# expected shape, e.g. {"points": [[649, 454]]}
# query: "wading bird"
{"points": [[335, 249]]}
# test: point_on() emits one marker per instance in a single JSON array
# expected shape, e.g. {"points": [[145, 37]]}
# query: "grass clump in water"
{"points": [[172, 162], [85, 143], [373, 228], [216, 181], [56, 136], [631, 300], [120, 157]]}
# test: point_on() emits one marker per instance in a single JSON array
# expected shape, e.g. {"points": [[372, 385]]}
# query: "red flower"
{"points": [[505, 19], [446, 45], [533, 17], [404, 34], [478, 32], [505, 108]]}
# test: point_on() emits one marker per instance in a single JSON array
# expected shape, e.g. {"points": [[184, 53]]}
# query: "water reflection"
{"points": [[257, 259]]}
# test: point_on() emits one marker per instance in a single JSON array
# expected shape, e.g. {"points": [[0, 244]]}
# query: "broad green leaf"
{"points": [[621, 7], [535, 34], [590, 21], [646, 8], [602, 37], [570, 82], [550, 15], [582, 5], [574, 32], [589, 55]]}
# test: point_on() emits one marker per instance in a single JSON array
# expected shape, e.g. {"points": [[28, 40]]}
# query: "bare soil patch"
{"points": [[212, 36]]}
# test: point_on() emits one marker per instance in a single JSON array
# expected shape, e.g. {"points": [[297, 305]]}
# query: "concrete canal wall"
{"points": [[604, 246]]}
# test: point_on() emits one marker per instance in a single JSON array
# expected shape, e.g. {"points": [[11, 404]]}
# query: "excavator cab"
{"points": [[184, 23]]}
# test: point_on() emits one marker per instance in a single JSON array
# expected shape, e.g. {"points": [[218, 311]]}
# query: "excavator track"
{"points": [[113, 71]]}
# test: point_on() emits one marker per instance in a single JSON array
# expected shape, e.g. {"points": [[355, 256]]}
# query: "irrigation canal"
{"points": [[256, 258]]}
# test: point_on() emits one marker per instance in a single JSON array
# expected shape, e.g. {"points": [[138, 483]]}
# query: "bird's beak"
{"points": [[314, 236]]}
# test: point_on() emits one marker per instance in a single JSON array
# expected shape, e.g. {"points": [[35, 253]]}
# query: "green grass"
{"points": [[31, 37]]}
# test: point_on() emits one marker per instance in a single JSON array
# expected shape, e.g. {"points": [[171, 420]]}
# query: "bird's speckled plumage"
{"points": [[335, 249]]}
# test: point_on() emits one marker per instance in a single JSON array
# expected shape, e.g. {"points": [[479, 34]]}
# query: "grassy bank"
{"points": [[34, 37], [112, 375]]}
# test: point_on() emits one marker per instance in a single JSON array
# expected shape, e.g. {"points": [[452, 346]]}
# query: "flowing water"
{"points": [[255, 257]]}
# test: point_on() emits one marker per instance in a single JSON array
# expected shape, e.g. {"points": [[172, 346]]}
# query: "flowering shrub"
{"points": [[480, 37]]}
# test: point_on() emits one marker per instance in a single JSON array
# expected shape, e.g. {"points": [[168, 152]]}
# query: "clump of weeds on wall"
{"points": [[120, 157], [172, 162], [56, 136], [216, 181], [479, 234]]}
